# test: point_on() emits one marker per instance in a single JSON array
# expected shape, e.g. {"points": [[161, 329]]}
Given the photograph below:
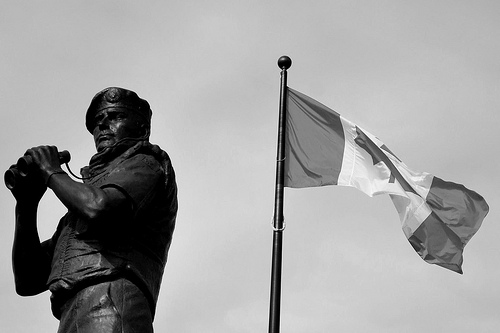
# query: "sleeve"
{"points": [[138, 178]]}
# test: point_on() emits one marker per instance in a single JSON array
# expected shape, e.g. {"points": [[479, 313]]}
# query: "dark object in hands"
{"points": [[23, 167]]}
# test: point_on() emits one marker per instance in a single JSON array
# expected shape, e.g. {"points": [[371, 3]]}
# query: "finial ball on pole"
{"points": [[284, 62]]}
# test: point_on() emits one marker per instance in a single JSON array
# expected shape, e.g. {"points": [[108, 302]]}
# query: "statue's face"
{"points": [[114, 124]]}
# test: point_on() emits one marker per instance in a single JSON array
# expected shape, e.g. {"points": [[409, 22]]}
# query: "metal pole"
{"points": [[278, 222]]}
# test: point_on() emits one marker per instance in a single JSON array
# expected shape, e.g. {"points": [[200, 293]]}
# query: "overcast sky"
{"points": [[423, 76]]}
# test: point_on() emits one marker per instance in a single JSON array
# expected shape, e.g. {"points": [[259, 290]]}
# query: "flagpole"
{"points": [[284, 63]]}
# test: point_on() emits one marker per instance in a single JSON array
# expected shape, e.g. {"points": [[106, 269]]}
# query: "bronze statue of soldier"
{"points": [[105, 261]]}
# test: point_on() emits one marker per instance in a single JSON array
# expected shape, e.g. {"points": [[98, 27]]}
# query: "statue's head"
{"points": [[115, 114]]}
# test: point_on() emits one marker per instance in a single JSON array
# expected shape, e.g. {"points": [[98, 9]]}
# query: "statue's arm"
{"points": [[30, 262], [87, 201], [90, 202]]}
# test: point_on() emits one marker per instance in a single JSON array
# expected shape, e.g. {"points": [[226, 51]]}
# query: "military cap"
{"points": [[114, 97]]}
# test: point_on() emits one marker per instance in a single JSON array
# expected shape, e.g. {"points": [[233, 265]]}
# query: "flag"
{"points": [[322, 148]]}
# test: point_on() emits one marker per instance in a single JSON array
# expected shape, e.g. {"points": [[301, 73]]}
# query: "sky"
{"points": [[423, 76]]}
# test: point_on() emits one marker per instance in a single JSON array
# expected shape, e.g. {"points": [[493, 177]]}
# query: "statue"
{"points": [[104, 263]]}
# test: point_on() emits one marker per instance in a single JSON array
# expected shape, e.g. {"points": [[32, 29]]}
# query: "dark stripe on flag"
{"points": [[461, 209], [438, 244], [314, 143], [457, 214]]}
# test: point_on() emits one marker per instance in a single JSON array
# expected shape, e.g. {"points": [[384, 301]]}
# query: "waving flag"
{"points": [[322, 148]]}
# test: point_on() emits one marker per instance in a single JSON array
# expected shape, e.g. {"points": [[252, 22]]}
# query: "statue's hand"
{"points": [[46, 159], [28, 189]]}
